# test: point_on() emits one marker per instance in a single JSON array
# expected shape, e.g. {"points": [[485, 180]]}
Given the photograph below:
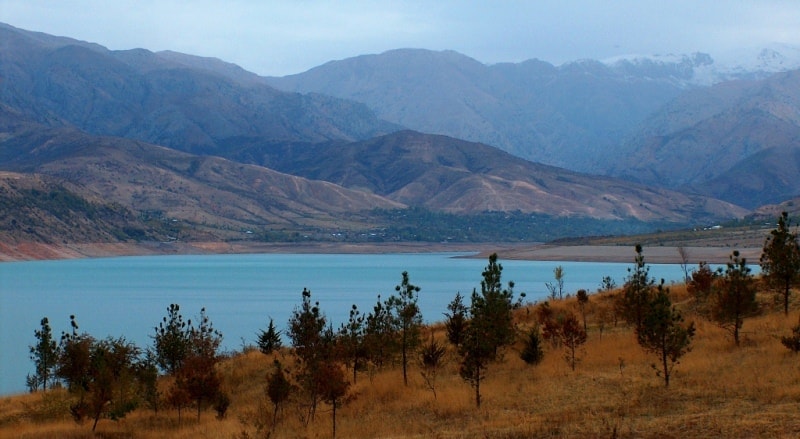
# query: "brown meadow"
{"points": [[717, 390]]}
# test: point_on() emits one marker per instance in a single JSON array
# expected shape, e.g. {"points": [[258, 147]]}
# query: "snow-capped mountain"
{"points": [[702, 69]]}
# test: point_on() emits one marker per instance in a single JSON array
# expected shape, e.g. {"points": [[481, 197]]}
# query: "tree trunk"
{"points": [[405, 363], [786, 297], [333, 415], [572, 357], [478, 386], [583, 314]]}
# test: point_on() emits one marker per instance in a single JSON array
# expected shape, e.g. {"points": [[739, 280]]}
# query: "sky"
{"points": [[276, 38]]}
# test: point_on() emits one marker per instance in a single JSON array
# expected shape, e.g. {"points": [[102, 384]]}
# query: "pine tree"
{"points": [[380, 338], [532, 352], [736, 296], [312, 348], [171, 341], [198, 373], [780, 259], [662, 332], [333, 388], [701, 282], [147, 375], [637, 291], [269, 340], [572, 337], [278, 389], [494, 306], [456, 320], [490, 328], [74, 359], [44, 355], [407, 319], [351, 341]]}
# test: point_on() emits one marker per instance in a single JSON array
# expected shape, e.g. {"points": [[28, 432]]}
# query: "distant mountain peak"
{"points": [[700, 68]]}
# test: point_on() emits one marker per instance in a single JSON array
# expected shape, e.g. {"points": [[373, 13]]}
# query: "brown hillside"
{"points": [[443, 173], [220, 199]]}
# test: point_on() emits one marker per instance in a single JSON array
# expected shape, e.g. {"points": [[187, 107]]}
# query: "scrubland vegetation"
{"points": [[689, 363]]}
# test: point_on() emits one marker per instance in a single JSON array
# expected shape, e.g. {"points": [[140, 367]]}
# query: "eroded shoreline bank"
{"points": [[532, 252]]}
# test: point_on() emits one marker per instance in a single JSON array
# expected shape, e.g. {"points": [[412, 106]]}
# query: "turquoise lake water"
{"points": [[128, 296]]}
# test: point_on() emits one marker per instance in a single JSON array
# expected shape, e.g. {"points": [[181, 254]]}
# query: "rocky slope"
{"points": [[738, 141], [682, 122], [162, 98]]}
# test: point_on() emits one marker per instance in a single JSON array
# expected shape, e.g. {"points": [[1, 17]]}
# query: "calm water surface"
{"points": [[128, 296]]}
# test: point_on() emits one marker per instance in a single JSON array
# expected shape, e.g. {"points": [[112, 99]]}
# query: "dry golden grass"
{"points": [[718, 390]]}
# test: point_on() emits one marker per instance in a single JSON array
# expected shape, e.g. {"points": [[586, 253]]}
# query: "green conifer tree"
{"points": [[44, 354], [780, 260], [490, 327], [407, 319], [662, 332], [269, 340], [736, 296]]}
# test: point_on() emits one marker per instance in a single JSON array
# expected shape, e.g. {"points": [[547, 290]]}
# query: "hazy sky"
{"points": [[284, 37]]}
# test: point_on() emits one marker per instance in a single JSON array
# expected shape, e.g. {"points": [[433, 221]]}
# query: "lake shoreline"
{"points": [[531, 252]]}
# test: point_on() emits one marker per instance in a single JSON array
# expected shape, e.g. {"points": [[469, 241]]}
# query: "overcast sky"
{"points": [[284, 37]]}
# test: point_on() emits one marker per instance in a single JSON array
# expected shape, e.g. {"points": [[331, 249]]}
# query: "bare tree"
{"points": [[583, 299], [556, 289], [683, 252], [572, 337], [431, 358]]}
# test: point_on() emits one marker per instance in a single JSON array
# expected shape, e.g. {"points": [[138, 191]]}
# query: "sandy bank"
{"points": [[542, 252], [611, 253]]}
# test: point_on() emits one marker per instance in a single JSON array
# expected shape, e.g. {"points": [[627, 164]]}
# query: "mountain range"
{"points": [[172, 146], [652, 120]]}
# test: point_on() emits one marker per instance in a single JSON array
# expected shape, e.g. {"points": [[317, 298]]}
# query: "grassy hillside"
{"points": [[717, 390]]}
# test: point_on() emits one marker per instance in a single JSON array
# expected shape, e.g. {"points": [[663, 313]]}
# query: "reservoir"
{"points": [[128, 296]]}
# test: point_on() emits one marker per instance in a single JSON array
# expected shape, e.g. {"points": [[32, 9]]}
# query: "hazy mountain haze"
{"points": [[280, 37]]}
